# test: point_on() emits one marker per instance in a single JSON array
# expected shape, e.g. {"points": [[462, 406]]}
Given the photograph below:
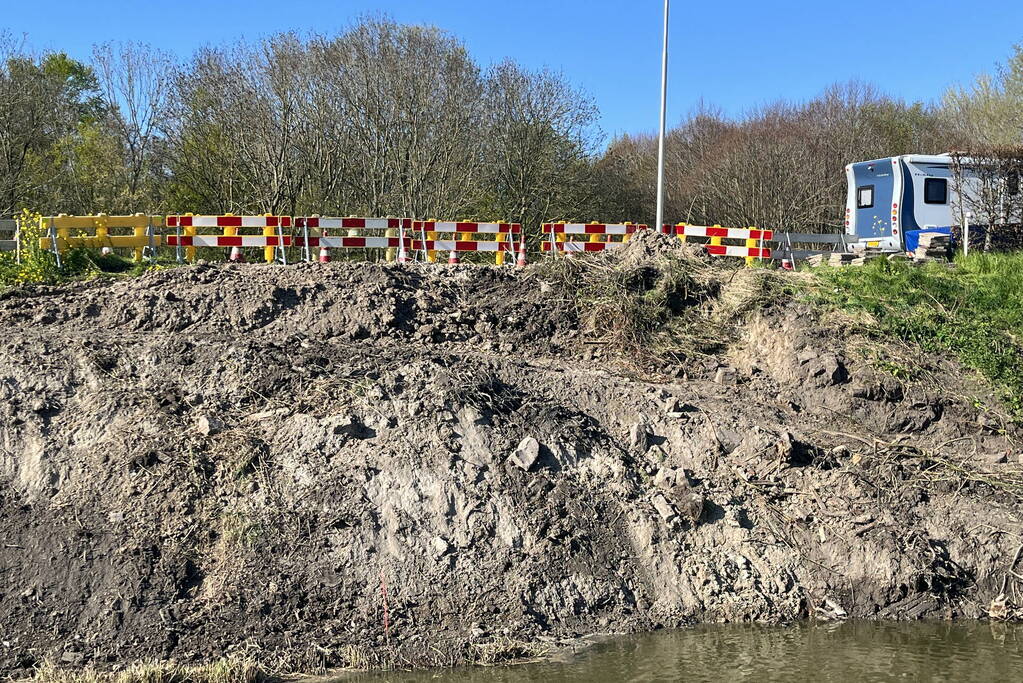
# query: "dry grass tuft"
{"points": [[222, 671], [662, 303], [504, 650]]}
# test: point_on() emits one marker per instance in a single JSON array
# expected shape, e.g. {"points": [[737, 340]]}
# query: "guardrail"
{"points": [[10, 227], [793, 246]]}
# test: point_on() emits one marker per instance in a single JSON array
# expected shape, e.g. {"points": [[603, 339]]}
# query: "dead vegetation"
{"points": [[220, 671], [660, 302]]}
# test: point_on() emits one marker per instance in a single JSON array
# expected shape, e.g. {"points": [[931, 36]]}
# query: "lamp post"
{"points": [[660, 139]]}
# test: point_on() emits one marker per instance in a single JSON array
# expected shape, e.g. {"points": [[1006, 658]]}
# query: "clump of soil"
{"points": [[369, 465]]}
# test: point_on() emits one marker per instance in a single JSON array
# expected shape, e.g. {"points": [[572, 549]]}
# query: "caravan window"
{"points": [[865, 197], [935, 191]]}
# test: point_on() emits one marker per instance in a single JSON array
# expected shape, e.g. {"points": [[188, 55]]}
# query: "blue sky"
{"points": [[732, 55]]}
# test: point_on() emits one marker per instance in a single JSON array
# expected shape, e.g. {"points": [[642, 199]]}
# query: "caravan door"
{"points": [[871, 193]]}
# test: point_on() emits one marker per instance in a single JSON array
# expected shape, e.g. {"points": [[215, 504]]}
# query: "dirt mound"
{"points": [[357, 465], [382, 304]]}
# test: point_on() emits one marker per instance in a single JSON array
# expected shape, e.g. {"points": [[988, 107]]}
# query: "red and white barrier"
{"points": [[229, 240], [753, 238], [747, 252], [394, 243], [228, 221], [578, 247], [409, 237], [723, 232], [599, 236], [467, 227], [352, 223], [592, 228], [713, 249], [751, 250]]}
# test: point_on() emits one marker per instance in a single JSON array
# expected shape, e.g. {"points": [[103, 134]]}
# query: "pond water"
{"points": [[851, 651]]}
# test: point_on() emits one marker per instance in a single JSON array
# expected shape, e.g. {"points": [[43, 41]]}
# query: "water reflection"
{"points": [[855, 651]]}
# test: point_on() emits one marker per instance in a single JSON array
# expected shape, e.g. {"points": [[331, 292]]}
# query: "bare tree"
{"points": [[780, 166], [541, 138], [136, 82], [414, 99], [986, 191]]}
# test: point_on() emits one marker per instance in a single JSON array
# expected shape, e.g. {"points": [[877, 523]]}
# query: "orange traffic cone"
{"points": [[324, 255], [522, 254], [453, 257], [236, 255]]}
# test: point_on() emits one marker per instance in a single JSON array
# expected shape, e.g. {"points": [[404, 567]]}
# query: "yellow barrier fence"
{"points": [[138, 232]]}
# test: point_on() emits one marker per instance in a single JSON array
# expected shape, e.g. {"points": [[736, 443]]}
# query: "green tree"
{"points": [[44, 101], [989, 112]]}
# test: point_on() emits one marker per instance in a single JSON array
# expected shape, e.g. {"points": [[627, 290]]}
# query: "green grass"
{"points": [[972, 311]]}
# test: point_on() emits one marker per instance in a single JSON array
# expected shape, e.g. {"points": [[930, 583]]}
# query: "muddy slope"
{"points": [[356, 465]]}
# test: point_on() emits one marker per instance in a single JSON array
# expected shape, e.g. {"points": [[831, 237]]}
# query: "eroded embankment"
{"points": [[359, 465]]}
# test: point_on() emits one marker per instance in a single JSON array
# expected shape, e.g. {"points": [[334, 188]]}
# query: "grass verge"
{"points": [[972, 311]]}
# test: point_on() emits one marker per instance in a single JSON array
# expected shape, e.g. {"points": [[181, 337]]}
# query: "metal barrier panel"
{"points": [[8, 226]]}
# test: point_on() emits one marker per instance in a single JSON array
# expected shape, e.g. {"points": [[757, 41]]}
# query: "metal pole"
{"points": [[966, 233], [53, 243], [150, 239], [305, 236], [280, 241], [660, 139]]}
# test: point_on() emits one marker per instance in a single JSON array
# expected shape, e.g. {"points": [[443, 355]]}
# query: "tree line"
{"points": [[392, 119]]}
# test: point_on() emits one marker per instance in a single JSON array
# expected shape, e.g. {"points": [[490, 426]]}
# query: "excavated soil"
{"points": [[330, 465]]}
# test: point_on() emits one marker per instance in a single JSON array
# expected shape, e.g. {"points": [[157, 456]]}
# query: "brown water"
{"points": [[855, 651]]}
